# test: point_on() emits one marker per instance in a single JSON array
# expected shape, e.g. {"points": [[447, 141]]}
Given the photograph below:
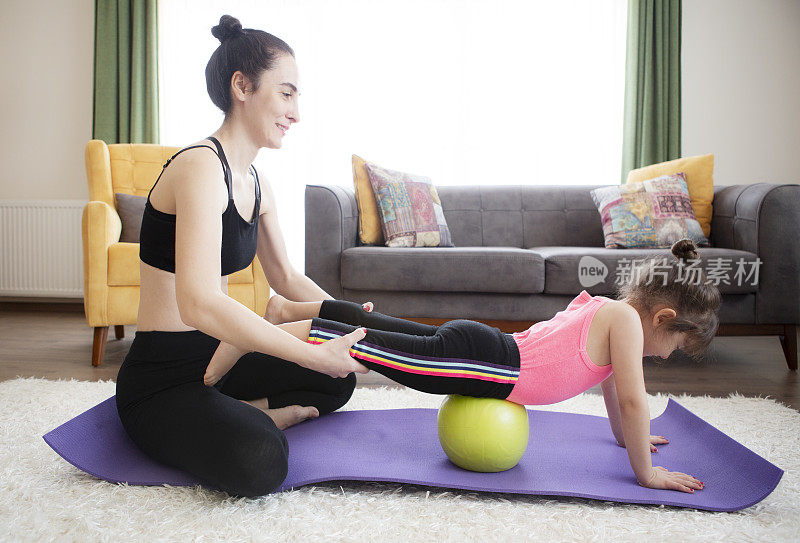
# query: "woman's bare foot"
{"points": [[276, 309], [283, 417]]}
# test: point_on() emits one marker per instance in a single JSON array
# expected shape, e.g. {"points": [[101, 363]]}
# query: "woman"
{"points": [[206, 217]]}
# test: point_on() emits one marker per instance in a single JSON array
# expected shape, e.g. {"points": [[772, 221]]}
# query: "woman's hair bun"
{"points": [[684, 249], [227, 28]]}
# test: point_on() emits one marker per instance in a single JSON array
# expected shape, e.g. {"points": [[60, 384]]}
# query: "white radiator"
{"points": [[40, 248]]}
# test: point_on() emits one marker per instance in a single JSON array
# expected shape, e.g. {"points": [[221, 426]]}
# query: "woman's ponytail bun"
{"points": [[684, 249], [227, 28]]}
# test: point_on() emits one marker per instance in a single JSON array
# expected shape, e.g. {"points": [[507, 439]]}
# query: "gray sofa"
{"points": [[518, 249]]}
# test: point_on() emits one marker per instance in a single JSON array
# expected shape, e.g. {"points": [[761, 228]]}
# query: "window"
{"points": [[463, 91]]}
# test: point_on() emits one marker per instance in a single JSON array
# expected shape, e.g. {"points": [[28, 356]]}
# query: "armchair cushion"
{"points": [[241, 276]]}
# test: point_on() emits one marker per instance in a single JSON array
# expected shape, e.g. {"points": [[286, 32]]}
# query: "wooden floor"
{"points": [[57, 344]]}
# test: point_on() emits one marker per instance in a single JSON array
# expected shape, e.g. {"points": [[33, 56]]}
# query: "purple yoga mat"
{"points": [[568, 455]]}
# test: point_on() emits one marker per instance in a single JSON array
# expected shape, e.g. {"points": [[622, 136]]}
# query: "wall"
{"points": [[47, 50], [741, 83], [741, 79]]}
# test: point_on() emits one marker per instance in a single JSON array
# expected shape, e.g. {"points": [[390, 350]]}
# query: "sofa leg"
{"points": [[119, 331], [789, 342], [99, 345]]}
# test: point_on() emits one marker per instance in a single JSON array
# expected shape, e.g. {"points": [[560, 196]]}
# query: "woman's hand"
{"points": [[368, 307], [672, 480], [654, 440], [334, 357]]}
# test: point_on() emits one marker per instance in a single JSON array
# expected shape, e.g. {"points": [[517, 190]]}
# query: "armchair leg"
{"points": [[99, 345], [119, 331], [790, 343]]}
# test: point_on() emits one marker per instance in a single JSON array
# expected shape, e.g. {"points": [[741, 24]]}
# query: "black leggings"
{"points": [[174, 418], [459, 357]]}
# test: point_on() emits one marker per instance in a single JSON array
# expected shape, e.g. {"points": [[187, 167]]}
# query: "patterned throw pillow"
{"points": [[649, 214], [410, 209], [699, 171]]}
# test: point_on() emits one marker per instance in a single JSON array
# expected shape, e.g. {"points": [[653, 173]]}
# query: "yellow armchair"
{"points": [[111, 267]]}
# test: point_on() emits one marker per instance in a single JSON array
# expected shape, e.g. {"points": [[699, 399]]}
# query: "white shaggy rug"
{"points": [[43, 498]]}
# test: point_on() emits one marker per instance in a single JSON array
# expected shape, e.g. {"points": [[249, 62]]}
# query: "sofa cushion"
{"points": [[435, 269], [602, 268]]}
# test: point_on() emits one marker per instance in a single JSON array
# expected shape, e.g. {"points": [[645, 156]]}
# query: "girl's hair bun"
{"points": [[227, 28], [684, 249]]}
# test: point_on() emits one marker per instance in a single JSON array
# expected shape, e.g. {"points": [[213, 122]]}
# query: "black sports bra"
{"points": [[239, 237]]}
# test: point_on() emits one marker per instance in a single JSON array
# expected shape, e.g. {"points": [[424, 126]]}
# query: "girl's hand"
{"points": [[654, 440], [333, 357], [672, 480]]}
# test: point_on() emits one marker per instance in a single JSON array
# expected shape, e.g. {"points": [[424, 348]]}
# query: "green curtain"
{"points": [[652, 122], [126, 71]]}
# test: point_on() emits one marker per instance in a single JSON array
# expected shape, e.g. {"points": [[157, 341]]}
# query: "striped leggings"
{"points": [[460, 357]]}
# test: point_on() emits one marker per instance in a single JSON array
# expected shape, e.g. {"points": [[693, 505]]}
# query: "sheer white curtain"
{"points": [[463, 91]]}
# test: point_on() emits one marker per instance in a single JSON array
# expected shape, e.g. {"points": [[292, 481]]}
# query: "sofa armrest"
{"points": [[100, 227], [331, 227], [764, 219]]}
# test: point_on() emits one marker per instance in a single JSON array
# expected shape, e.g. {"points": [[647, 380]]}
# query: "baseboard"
{"points": [[26, 303]]}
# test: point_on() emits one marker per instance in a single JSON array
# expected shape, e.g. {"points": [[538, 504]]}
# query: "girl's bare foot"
{"points": [[275, 309], [224, 359], [284, 417], [212, 376]]}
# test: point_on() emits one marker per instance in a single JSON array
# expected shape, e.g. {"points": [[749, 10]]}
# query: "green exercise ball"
{"points": [[482, 434]]}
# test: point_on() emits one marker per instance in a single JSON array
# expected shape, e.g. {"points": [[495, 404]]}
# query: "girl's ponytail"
{"points": [[684, 249]]}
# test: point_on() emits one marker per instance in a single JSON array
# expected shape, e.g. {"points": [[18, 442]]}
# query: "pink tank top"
{"points": [[554, 365]]}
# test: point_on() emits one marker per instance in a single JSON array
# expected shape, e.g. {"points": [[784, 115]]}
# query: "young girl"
{"points": [[594, 340]]}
